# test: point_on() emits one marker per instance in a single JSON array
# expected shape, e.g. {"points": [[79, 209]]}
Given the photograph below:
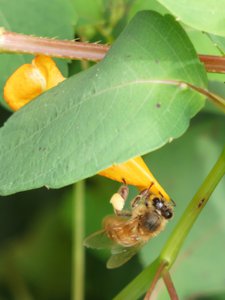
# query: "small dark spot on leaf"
{"points": [[201, 202], [158, 105], [156, 61]]}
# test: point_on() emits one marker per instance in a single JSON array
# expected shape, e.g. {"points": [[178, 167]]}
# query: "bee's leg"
{"points": [[118, 199], [123, 213], [123, 191], [142, 196], [136, 201]]}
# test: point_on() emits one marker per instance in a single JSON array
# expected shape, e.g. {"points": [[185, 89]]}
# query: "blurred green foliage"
{"points": [[36, 226]]}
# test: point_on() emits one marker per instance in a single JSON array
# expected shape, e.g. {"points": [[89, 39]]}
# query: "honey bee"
{"points": [[128, 230]]}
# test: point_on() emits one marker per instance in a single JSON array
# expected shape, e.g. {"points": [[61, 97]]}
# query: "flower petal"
{"points": [[135, 172], [30, 80], [48, 68]]}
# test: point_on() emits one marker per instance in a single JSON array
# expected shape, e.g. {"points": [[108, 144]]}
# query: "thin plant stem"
{"points": [[169, 285], [78, 257], [182, 229], [12, 42], [155, 280], [213, 63], [214, 98]]}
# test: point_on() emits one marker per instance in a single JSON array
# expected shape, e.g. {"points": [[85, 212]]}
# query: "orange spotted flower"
{"points": [[30, 80]]}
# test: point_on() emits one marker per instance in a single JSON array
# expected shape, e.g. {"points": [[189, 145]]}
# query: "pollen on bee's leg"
{"points": [[117, 202]]}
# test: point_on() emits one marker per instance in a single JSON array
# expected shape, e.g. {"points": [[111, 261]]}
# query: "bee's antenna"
{"points": [[146, 192], [124, 181], [161, 194], [152, 183], [174, 203]]}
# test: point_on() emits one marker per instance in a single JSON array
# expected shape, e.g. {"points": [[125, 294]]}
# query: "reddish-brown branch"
{"points": [[169, 285], [21, 43], [213, 64], [155, 280]]}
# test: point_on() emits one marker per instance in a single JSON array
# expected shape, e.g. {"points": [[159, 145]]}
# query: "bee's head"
{"points": [[163, 206]]}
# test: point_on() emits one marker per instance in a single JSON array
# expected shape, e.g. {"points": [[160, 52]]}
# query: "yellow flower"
{"points": [[30, 80], [135, 172]]}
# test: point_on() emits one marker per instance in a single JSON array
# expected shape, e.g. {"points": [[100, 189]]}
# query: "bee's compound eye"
{"points": [[157, 203], [167, 214]]}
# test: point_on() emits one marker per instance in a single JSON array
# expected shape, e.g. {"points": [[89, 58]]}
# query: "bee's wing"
{"points": [[120, 255], [98, 240]]}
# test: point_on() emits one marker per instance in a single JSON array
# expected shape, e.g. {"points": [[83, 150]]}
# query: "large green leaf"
{"points": [[115, 110], [53, 18], [203, 15]]}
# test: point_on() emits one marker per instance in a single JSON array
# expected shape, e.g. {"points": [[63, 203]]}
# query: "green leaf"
{"points": [[219, 42], [203, 15], [100, 17], [204, 45], [202, 42], [218, 88], [127, 105], [53, 18], [147, 5]]}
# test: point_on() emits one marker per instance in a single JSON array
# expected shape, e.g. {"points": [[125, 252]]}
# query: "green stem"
{"points": [[175, 242], [78, 258]]}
